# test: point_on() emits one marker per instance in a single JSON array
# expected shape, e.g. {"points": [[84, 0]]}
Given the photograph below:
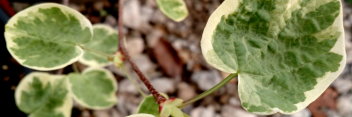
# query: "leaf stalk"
{"points": [[159, 98], [211, 90]]}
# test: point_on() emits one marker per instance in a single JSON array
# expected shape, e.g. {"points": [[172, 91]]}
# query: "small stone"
{"points": [[146, 65], [154, 36], [126, 104], [331, 113], [85, 113], [204, 112], [132, 14], [230, 111], [110, 20], [303, 113], [127, 87], [235, 102], [344, 105], [185, 91], [101, 113], [342, 85], [164, 85], [206, 79], [135, 46]]}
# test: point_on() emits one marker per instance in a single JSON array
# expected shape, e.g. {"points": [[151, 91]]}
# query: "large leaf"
{"points": [[95, 88], [44, 95], [46, 36], [287, 52], [104, 41], [174, 9]]}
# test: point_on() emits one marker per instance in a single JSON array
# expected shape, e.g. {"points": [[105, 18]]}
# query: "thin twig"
{"points": [[159, 98]]}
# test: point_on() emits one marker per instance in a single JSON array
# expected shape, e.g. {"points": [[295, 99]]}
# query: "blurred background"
{"points": [[169, 54]]}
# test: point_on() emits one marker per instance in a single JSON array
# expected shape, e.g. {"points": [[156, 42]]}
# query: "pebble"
{"points": [[185, 91], [146, 65], [164, 85], [234, 102], [132, 14], [230, 111], [110, 20], [135, 46], [101, 113], [303, 113], [206, 79], [204, 112], [344, 105], [342, 85], [126, 86]]}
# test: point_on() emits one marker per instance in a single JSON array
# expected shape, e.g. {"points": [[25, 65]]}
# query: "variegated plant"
{"points": [[51, 36], [44, 95], [286, 52], [104, 43]]}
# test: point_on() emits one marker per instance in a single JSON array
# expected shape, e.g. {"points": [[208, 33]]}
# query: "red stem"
{"points": [[6, 6], [159, 98]]}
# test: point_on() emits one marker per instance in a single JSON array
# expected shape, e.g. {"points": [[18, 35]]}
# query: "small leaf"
{"points": [[46, 36], [118, 60], [170, 108], [287, 52], [95, 88], [141, 115], [104, 41], [149, 106], [44, 95], [174, 9]]}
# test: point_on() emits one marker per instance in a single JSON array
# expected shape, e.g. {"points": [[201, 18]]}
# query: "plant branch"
{"points": [[210, 91], [159, 98]]}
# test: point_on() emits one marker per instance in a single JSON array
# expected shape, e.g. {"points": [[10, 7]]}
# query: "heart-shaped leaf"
{"points": [[47, 36], [104, 41], [44, 95], [95, 88], [174, 9], [287, 52]]}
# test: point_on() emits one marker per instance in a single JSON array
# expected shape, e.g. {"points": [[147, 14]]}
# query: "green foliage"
{"points": [[44, 95], [276, 47], [46, 36], [149, 106], [95, 88], [174, 9], [170, 108], [104, 41]]}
